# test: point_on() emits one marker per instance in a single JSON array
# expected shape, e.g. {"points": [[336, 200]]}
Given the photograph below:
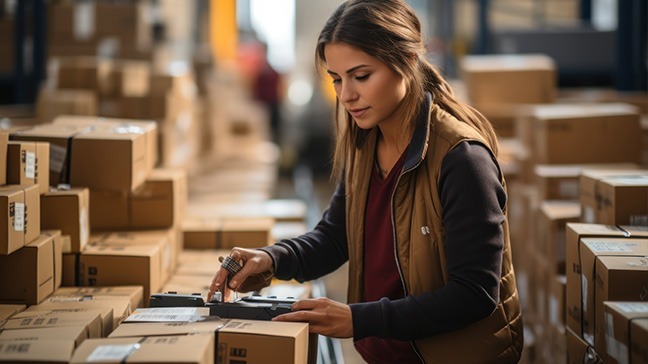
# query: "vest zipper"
{"points": [[398, 265]]}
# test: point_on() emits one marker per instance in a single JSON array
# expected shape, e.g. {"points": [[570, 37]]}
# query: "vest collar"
{"points": [[419, 142]]}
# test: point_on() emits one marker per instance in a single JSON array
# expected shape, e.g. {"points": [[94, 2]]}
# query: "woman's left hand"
{"points": [[324, 316]]}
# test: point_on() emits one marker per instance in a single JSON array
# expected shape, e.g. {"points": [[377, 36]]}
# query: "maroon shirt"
{"points": [[381, 277]]}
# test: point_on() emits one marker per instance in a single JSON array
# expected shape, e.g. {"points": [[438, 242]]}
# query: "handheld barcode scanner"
{"points": [[254, 307]]}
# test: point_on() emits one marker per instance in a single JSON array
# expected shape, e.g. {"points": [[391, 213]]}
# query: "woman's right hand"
{"points": [[256, 272]]}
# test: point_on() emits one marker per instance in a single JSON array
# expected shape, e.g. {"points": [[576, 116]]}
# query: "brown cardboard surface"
{"points": [[618, 317], [40, 351], [67, 210], [133, 293], [226, 233], [59, 243], [54, 102], [28, 164], [578, 351], [113, 312], [109, 209], [624, 200], [198, 349], [35, 261], [70, 267], [101, 265]]}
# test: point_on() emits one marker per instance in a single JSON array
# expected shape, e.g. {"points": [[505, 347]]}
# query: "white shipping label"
{"points": [[19, 217], [583, 293], [641, 307], [112, 352], [169, 314], [30, 165], [608, 247]]}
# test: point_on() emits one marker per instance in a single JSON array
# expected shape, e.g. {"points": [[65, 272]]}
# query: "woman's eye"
{"points": [[362, 78], [336, 80]]}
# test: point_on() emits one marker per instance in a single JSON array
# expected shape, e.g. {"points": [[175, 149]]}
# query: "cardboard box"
{"points": [[226, 233], [109, 210], [40, 351], [133, 293], [148, 128], [76, 334], [36, 281], [28, 164], [68, 211], [101, 265], [618, 317], [86, 73], [578, 351], [618, 278], [159, 238], [161, 201], [7, 311], [246, 340], [623, 200], [575, 232], [614, 197], [509, 79], [90, 320], [103, 159], [31, 211], [106, 312], [52, 103], [560, 181], [639, 342], [571, 134], [554, 215], [58, 136], [195, 349], [598, 257], [59, 246], [12, 220]]}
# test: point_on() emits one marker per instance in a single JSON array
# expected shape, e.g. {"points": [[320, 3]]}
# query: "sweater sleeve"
{"points": [[473, 200], [318, 252]]}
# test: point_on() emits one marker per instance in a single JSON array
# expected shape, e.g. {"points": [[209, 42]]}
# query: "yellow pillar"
{"points": [[223, 31]]}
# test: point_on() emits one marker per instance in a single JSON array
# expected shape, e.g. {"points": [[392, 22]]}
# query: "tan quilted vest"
{"points": [[421, 254]]}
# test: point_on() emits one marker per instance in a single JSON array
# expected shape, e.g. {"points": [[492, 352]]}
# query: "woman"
{"points": [[419, 210]]}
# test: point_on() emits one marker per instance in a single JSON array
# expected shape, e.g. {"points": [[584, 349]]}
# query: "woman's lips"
{"points": [[356, 113]]}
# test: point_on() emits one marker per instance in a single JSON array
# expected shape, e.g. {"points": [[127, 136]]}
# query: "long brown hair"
{"points": [[390, 31]]}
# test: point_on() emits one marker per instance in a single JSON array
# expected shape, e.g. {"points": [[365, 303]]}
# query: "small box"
{"points": [[12, 220], [195, 349], [76, 334], [161, 201], [68, 211], [614, 197], [28, 164], [639, 341], [554, 215], [89, 319], [101, 265], [108, 159], [106, 311], [39, 351], [509, 79], [35, 262], [618, 317], [134, 294]]}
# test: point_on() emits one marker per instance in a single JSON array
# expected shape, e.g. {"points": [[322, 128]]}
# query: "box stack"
{"points": [[578, 208]]}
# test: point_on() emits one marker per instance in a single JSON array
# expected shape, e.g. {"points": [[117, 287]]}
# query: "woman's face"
{"points": [[370, 91]]}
